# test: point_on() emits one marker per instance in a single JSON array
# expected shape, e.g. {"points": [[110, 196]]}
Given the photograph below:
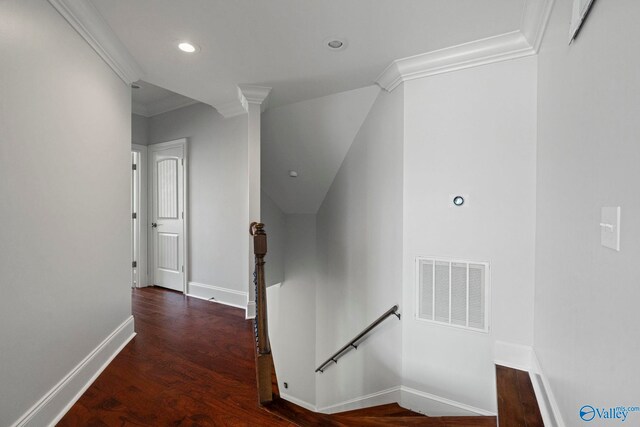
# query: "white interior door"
{"points": [[135, 221], [167, 219]]}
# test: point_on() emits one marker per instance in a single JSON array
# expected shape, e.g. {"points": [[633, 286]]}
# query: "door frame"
{"points": [[142, 272], [177, 143]]}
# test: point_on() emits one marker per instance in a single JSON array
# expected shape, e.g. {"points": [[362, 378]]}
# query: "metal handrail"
{"points": [[393, 311]]}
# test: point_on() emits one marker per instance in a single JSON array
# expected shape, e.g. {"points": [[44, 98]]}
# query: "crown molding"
{"points": [[249, 94], [516, 44], [480, 52], [231, 109], [160, 107], [168, 104], [83, 16], [534, 21]]}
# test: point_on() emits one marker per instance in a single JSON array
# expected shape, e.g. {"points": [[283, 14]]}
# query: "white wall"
{"points": [[217, 194], [311, 137], [471, 132], [586, 302], [292, 306], [139, 130], [359, 252], [275, 226], [65, 141]]}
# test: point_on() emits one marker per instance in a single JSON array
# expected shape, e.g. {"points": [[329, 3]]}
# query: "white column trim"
{"points": [[249, 94]]}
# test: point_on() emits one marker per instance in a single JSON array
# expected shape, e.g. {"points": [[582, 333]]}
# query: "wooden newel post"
{"points": [[267, 383], [260, 250]]}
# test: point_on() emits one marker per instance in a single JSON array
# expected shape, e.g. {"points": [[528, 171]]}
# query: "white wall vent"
{"points": [[453, 292]]}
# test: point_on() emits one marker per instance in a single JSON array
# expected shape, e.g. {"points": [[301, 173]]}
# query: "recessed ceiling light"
{"points": [[293, 174], [188, 47], [335, 43]]}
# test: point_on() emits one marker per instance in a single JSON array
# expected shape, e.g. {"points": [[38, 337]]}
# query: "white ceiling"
{"points": [[320, 97], [149, 100], [280, 43], [311, 137]]}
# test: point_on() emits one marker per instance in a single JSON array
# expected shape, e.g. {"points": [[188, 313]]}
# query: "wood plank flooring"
{"points": [[191, 364], [377, 416], [517, 404]]}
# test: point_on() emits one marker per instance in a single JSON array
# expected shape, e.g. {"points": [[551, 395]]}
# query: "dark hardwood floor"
{"points": [[377, 416], [191, 364], [517, 404]]}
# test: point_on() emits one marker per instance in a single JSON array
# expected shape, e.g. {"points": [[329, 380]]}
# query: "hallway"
{"points": [[190, 364]]}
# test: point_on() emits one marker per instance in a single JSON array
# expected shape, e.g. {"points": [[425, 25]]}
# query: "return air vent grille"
{"points": [[453, 292]]}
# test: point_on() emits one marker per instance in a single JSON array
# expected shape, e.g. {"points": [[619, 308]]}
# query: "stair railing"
{"points": [[353, 344], [264, 359]]}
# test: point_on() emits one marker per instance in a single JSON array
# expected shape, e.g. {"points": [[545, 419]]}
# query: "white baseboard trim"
{"points": [[220, 295], [514, 356], [547, 402], [390, 395], [299, 402], [407, 397], [524, 358], [251, 310], [436, 406], [54, 405]]}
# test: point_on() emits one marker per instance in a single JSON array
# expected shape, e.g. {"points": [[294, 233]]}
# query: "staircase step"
{"points": [[384, 415], [299, 415], [389, 410], [517, 404]]}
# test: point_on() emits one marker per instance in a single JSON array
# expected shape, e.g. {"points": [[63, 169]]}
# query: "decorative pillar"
{"points": [[253, 99]]}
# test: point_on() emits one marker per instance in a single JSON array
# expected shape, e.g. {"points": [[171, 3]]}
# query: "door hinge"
{"points": [[134, 167], [182, 162], [182, 215], [183, 268], [134, 264], [134, 215]]}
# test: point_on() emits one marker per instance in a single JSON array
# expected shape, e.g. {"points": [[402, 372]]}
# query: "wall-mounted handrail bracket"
{"points": [[352, 344]]}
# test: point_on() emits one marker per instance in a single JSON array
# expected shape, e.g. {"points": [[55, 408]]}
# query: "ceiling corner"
{"points": [[231, 109], [535, 17], [92, 27], [390, 78]]}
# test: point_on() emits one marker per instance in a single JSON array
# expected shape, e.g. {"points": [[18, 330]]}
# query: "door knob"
{"points": [[154, 224]]}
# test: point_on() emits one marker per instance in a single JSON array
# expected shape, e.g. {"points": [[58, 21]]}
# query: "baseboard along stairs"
{"points": [[517, 407]]}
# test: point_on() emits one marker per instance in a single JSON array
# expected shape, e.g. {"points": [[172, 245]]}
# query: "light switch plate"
{"points": [[610, 227]]}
